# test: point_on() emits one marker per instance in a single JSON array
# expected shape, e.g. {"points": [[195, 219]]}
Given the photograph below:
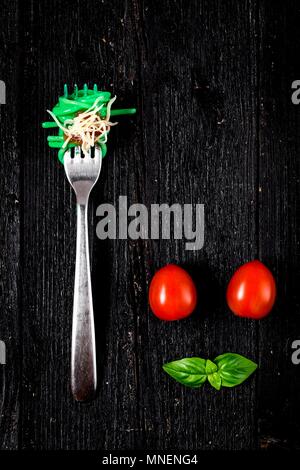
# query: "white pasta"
{"points": [[87, 127]]}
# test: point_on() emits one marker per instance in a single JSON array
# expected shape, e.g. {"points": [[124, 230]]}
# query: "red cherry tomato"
{"points": [[172, 293], [251, 291]]}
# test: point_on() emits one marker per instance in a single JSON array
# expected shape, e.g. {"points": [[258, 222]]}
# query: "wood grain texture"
{"points": [[9, 228], [153, 57], [279, 198], [53, 419], [215, 125], [205, 129]]}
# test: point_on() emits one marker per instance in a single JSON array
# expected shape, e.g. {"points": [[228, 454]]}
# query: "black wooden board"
{"points": [[215, 125]]}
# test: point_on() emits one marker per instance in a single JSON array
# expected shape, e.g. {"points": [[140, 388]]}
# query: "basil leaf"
{"points": [[189, 371], [234, 369], [215, 380], [210, 367]]}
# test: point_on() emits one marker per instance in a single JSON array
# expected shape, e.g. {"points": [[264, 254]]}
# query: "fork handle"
{"points": [[83, 356]]}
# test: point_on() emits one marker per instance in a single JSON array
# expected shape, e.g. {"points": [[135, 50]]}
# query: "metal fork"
{"points": [[82, 172]]}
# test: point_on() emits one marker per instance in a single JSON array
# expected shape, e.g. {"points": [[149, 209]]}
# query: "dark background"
{"points": [[212, 84]]}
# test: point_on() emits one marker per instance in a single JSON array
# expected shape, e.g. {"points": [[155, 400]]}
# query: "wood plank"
{"points": [[279, 198], [74, 48], [198, 109], [9, 228], [191, 70]]}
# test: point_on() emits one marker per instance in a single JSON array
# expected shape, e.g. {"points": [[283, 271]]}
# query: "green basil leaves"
{"points": [[189, 371], [227, 370], [234, 369]]}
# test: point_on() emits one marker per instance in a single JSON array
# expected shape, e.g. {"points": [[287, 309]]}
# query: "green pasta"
{"points": [[82, 118]]}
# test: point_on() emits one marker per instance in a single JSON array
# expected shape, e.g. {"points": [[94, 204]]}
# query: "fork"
{"points": [[82, 172]]}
